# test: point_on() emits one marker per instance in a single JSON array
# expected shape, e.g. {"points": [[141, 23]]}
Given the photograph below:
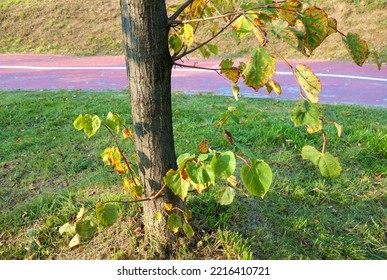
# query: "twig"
{"points": [[180, 10], [185, 53]]}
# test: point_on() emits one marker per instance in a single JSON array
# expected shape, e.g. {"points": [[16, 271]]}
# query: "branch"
{"points": [[138, 200], [174, 58], [180, 10]]}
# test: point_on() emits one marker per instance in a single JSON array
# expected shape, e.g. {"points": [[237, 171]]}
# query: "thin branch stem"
{"points": [[180, 10], [185, 53], [244, 160], [138, 200]]}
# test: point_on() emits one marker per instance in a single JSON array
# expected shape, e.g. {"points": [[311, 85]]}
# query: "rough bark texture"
{"points": [[149, 69]]}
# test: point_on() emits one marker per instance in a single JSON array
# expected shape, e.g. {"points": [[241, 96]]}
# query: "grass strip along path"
{"points": [[49, 170]]}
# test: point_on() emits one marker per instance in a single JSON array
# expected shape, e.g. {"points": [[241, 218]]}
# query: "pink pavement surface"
{"points": [[342, 82]]}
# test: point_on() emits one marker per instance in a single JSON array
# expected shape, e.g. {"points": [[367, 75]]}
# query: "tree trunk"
{"points": [[149, 67]]}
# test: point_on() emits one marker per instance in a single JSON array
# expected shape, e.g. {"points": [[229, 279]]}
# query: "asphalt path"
{"points": [[342, 82]]}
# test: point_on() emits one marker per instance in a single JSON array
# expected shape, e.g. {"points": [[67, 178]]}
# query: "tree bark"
{"points": [[149, 66]]}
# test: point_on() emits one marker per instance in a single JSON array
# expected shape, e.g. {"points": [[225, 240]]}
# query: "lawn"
{"points": [[49, 170]]}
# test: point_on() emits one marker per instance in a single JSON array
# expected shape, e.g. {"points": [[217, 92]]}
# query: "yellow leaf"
{"points": [[168, 206], [235, 91], [187, 34], [339, 129], [75, 241]]}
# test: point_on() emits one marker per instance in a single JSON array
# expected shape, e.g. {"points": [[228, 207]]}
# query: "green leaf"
{"points": [[107, 214], [175, 43], [316, 27], [260, 69], [67, 228], [329, 165], [85, 229], [214, 49], [114, 122], [231, 73], [176, 183], [224, 164], [242, 27], [183, 158], [225, 195], [158, 217], [309, 82], [357, 48], [187, 215], [204, 52], [257, 178], [174, 222], [201, 175], [307, 113], [89, 124], [188, 230]]}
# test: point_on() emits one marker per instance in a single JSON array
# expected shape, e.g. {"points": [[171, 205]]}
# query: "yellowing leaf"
{"points": [[112, 157], [242, 27], [197, 6], [289, 11], [259, 32], [231, 73], [272, 85], [260, 69], [67, 228], [187, 34], [127, 133], [332, 26], [316, 27], [189, 232], [114, 122], [89, 124], [233, 181], [203, 147], [339, 129], [357, 48], [235, 91], [309, 82], [174, 222], [176, 183], [133, 186]]}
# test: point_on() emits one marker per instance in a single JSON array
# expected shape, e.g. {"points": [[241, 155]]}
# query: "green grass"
{"points": [[49, 170]]}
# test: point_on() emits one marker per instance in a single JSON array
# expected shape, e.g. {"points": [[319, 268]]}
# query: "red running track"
{"points": [[342, 82]]}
